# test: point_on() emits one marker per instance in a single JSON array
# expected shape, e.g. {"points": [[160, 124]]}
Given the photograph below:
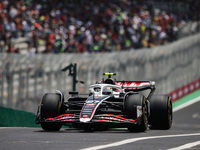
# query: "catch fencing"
{"points": [[24, 79]]}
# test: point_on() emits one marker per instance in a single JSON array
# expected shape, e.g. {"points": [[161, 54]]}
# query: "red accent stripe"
{"points": [[113, 118], [60, 117]]}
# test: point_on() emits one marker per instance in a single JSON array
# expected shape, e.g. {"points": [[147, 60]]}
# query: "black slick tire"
{"points": [[160, 112], [50, 107], [131, 104]]}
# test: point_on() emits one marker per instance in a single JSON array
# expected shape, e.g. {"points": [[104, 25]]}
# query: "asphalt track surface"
{"points": [[184, 134]]}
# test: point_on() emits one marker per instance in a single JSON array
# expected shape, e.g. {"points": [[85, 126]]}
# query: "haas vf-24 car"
{"points": [[109, 104]]}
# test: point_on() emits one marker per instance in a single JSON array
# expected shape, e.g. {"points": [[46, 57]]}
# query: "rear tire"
{"points": [[131, 104], [51, 107], [160, 112]]}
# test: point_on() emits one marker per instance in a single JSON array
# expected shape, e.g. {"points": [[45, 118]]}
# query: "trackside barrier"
{"points": [[24, 79], [16, 118], [185, 90], [186, 100]]}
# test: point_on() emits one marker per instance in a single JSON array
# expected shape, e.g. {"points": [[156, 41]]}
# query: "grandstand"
{"points": [[53, 26]]}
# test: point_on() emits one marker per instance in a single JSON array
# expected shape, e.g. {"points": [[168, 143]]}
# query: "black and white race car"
{"points": [[109, 104]]}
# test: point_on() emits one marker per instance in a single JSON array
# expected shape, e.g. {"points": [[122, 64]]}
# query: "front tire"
{"points": [[51, 107], [132, 103]]}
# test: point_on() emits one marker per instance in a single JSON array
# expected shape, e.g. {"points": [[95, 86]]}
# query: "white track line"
{"points": [[127, 141], [186, 104], [186, 146]]}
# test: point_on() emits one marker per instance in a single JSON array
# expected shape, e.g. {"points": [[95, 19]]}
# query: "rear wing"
{"points": [[136, 85]]}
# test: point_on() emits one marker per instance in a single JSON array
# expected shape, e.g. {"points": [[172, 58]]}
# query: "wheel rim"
{"points": [[170, 113], [145, 115]]}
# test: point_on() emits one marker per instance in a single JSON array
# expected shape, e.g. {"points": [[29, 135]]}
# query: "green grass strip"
{"points": [[186, 98], [16, 118]]}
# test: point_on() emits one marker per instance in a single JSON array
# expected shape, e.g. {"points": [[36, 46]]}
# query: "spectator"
{"points": [[87, 26]]}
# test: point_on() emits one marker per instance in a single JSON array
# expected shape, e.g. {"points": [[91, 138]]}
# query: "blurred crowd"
{"points": [[66, 26]]}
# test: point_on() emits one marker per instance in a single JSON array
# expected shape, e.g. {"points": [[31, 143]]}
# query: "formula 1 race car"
{"points": [[109, 104]]}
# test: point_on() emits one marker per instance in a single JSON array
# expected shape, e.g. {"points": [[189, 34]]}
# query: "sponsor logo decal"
{"points": [[139, 111], [132, 84], [90, 107]]}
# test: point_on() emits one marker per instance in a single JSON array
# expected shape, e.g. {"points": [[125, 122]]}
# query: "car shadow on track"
{"points": [[74, 130]]}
